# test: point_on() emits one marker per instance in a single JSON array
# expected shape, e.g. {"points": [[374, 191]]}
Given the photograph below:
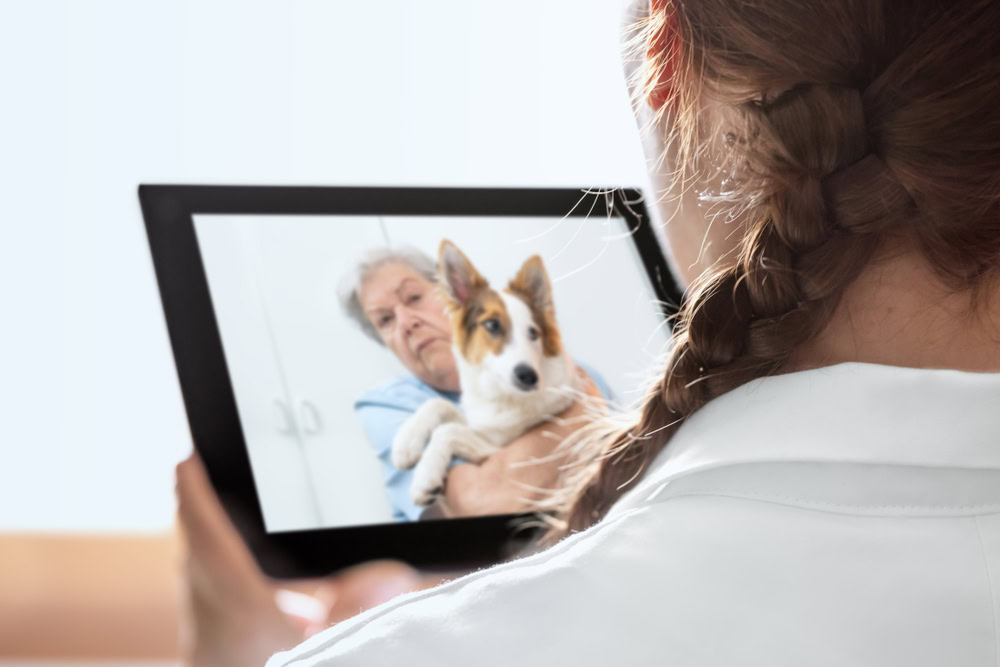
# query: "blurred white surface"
{"points": [[104, 95]]}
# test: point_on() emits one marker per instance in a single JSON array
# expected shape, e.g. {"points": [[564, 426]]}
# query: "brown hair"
{"points": [[851, 126]]}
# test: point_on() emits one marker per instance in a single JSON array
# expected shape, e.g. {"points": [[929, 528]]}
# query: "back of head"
{"points": [[852, 129], [864, 117]]}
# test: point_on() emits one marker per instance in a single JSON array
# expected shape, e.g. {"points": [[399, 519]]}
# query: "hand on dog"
{"points": [[233, 615]]}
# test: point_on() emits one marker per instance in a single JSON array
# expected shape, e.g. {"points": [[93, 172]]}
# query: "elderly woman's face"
{"points": [[409, 316]]}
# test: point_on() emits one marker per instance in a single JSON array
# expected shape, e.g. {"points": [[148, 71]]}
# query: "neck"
{"points": [[449, 383], [898, 313]]}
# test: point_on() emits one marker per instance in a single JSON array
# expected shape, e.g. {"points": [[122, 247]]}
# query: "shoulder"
{"points": [[672, 577], [621, 624], [404, 392]]}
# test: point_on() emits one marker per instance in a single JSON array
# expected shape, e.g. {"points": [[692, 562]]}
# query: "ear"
{"points": [[458, 278], [532, 281], [663, 49]]}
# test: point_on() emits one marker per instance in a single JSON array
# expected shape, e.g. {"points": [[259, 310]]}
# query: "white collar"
{"points": [[847, 413]]}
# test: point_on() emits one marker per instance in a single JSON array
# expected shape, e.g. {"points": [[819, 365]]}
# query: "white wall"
{"points": [[101, 96]]}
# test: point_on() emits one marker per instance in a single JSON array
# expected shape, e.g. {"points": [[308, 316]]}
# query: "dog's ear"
{"points": [[532, 284], [458, 278]]}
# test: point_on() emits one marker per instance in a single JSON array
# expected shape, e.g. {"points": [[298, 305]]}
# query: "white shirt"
{"points": [[848, 515]]}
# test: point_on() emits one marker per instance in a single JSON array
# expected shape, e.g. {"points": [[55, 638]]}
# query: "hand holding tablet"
{"points": [[237, 616]]}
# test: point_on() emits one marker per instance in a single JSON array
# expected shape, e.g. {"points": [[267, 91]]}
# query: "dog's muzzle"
{"points": [[525, 377]]}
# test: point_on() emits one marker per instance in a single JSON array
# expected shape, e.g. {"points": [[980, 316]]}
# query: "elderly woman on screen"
{"points": [[391, 294]]}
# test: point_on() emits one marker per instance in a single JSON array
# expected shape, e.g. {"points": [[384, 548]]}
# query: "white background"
{"points": [[100, 96]]}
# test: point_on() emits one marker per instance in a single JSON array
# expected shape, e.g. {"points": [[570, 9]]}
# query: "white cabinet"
{"points": [[294, 364], [229, 253], [327, 360]]}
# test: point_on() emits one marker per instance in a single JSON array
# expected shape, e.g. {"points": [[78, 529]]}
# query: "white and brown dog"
{"points": [[511, 365]]}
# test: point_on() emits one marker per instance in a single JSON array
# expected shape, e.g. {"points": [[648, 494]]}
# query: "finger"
{"points": [[308, 612], [371, 584], [198, 509], [213, 543], [192, 486], [198, 505]]}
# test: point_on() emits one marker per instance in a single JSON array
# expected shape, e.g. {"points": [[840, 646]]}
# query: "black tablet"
{"points": [[293, 394]]}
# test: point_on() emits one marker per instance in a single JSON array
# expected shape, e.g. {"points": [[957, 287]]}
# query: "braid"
{"points": [[810, 236]]}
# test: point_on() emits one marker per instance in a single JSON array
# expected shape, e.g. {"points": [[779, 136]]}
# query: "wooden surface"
{"points": [[89, 597]]}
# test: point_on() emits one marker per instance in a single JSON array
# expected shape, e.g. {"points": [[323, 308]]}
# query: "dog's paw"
{"points": [[408, 444], [425, 496], [405, 453], [428, 478], [411, 438]]}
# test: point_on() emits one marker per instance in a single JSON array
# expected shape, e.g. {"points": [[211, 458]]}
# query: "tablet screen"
{"points": [[321, 390]]}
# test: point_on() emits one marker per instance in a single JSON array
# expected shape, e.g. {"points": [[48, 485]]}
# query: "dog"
{"points": [[513, 371]]}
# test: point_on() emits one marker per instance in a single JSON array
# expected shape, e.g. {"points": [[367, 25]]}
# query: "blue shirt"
{"points": [[384, 408]]}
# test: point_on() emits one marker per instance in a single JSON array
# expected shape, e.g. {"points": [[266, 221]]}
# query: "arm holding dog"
{"points": [[496, 485]]}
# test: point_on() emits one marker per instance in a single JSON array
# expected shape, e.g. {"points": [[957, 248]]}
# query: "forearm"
{"points": [[508, 481]]}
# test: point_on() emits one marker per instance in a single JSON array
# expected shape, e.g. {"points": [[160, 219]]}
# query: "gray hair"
{"points": [[349, 287]]}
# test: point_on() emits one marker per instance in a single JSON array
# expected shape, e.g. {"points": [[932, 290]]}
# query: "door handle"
{"points": [[312, 424], [285, 421]]}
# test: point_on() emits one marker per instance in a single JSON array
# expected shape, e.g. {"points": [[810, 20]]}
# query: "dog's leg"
{"points": [[472, 446], [409, 441], [446, 441]]}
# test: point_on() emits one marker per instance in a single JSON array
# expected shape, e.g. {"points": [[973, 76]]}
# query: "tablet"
{"points": [[293, 398]]}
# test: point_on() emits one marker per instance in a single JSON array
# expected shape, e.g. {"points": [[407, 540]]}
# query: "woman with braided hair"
{"points": [[814, 478], [858, 217]]}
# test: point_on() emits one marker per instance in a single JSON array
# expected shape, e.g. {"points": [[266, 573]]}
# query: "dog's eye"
{"points": [[532, 333], [492, 326]]}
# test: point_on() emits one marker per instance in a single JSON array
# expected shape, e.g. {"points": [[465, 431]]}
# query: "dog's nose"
{"points": [[526, 376]]}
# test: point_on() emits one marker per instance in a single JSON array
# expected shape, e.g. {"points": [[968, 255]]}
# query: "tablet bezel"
{"points": [[207, 391]]}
